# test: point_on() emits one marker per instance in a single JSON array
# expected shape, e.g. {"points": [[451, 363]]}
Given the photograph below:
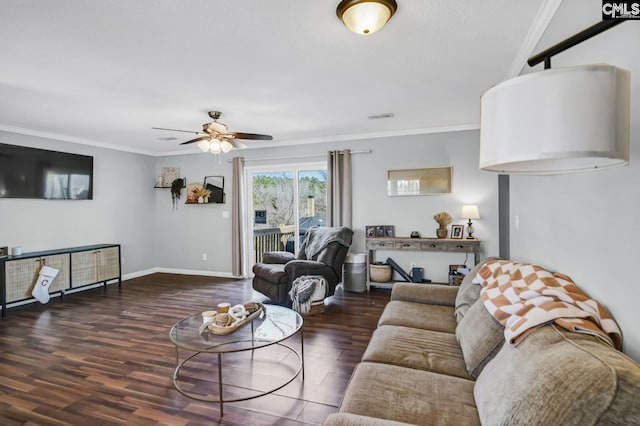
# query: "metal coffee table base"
{"points": [[221, 400]]}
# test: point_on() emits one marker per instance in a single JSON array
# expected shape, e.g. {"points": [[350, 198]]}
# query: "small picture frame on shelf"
{"points": [[379, 231], [389, 231], [457, 231], [370, 231]]}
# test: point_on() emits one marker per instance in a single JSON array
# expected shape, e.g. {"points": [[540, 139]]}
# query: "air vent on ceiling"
{"points": [[377, 116]]}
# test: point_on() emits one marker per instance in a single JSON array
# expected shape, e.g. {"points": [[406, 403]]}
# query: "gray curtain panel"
{"points": [[239, 213], [339, 193]]}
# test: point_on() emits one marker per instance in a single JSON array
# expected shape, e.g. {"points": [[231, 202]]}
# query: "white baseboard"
{"points": [[138, 274], [178, 271]]}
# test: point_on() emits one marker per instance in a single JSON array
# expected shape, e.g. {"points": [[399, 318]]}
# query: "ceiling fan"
{"points": [[215, 138]]}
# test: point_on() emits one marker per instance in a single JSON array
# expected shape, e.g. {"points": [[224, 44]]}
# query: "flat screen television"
{"points": [[39, 173]]}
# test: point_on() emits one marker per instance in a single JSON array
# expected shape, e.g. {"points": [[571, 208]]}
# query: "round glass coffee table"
{"points": [[274, 325]]}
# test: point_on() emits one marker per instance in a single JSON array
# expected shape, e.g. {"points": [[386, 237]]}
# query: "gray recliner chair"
{"points": [[322, 253]]}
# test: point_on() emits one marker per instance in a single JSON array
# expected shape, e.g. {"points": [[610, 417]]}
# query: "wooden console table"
{"points": [[423, 244]]}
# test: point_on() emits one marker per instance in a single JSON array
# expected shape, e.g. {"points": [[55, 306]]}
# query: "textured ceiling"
{"points": [[106, 72]]}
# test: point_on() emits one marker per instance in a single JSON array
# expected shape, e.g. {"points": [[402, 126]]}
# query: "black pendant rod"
{"points": [[583, 35]]}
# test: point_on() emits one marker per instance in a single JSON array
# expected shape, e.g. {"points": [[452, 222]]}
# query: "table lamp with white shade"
{"points": [[470, 212]]}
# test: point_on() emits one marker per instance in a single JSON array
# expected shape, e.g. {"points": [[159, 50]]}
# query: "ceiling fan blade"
{"points": [[254, 136], [174, 130], [201, 138], [236, 143]]}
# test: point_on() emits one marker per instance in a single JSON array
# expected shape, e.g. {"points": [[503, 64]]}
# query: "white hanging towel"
{"points": [[41, 288]]}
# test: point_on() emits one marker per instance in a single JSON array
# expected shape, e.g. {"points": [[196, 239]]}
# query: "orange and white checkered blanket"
{"points": [[522, 296]]}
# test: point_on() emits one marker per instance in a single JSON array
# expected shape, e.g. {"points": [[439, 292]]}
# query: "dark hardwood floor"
{"points": [[105, 358]]}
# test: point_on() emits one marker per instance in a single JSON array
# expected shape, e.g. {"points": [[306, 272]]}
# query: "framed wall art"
{"points": [[167, 176], [427, 181]]}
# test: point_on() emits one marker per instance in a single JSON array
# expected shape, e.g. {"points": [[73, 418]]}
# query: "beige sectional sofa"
{"points": [[439, 358]]}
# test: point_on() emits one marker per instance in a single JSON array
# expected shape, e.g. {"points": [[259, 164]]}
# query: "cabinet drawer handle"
{"points": [[459, 246], [406, 245], [432, 245]]}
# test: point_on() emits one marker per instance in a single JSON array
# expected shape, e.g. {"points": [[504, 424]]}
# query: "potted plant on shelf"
{"points": [[176, 189], [203, 195]]}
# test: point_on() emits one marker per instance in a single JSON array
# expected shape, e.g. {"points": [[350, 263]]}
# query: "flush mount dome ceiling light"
{"points": [[366, 16]]}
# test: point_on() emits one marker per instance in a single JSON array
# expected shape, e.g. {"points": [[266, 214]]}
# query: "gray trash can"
{"points": [[354, 276]]}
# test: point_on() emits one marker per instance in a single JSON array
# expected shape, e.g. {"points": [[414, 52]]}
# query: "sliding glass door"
{"points": [[285, 201]]}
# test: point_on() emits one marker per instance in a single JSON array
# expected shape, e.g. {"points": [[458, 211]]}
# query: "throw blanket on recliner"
{"points": [[523, 296], [319, 238]]}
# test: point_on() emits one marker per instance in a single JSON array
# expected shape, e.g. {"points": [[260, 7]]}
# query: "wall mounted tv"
{"points": [[39, 173]]}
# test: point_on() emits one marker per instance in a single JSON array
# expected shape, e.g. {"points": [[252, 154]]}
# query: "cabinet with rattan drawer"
{"points": [[77, 267], [94, 266], [21, 275]]}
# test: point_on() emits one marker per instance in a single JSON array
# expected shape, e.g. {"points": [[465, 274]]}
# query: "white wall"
{"points": [[470, 186], [184, 234], [122, 209], [371, 205]]}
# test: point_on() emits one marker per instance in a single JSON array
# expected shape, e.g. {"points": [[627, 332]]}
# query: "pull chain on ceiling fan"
{"points": [[215, 137]]}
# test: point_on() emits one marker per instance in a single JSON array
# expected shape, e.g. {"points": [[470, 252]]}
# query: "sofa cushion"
{"points": [[346, 419], [432, 294], [468, 292], [419, 315], [480, 337], [414, 348], [410, 396], [558, 377]]}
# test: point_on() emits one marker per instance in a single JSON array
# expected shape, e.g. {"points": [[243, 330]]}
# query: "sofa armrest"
{"points": [[433, 294], [277, 257], [297, 268], [347, 419]]}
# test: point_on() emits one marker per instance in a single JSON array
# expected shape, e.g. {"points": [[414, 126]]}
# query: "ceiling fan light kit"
{"points": [[204, 145], [366, 16]]}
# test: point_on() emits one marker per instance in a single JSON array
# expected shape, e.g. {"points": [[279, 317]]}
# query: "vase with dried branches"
{"points": [[443, 220]]}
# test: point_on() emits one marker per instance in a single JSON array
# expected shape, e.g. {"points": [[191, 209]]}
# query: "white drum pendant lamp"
{"points": [[560, 120]]}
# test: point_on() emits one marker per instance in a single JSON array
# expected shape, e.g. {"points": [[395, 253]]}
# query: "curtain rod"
{"points": [[295, 157]]}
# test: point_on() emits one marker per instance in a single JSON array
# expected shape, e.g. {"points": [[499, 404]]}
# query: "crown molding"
{"points": [[539, 25], [275, 143], [72, 139]]}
